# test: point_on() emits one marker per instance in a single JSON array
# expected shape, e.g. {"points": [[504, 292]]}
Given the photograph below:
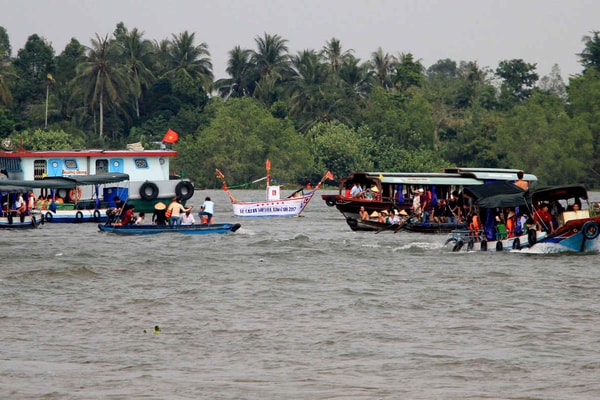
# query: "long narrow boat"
{"points": [[10, 218], [273, 205], [148, 229], [576, 230], [150, 179], [92, 210], [394, 190]]}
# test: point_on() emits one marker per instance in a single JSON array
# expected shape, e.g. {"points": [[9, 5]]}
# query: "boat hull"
{"points": [[29, 222], [290, 207], [197, 229]]}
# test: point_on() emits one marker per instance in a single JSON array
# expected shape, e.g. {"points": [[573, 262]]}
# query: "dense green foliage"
{"points": [[317, 110]]}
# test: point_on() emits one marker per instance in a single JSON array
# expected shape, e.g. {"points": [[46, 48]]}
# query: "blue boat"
{"points": [[149, 229]]}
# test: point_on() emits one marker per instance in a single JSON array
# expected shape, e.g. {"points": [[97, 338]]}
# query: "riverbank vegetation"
{"points": [[308, 112]]}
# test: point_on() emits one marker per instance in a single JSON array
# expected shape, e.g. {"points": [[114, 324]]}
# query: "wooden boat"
{"points": [[576, 230], [91, 210], [148, 229], [393, 190], [10, 218], [273, 205], [150, 180]]}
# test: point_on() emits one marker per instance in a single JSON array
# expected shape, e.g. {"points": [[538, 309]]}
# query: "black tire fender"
{"points": [[531, 237], [470, 244], [484, 245], [96, 215], [78, 216], [458, 246], [149, 190], [49, 216], [516, 245], [330, 201], [499, 246], [185, 190]]}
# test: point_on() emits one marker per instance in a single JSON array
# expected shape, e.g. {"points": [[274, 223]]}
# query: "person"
{"points": [[129, 214], [394, 218], [207, 208], [31, 201], [20, 204], [543, 219], [382, 217], [416, 206], [188, 218], [364, 215], [3, 174], [356, 190], [160, 214], [41, 202], [176, 209], [140, 219], [511, 221], [368, 194], [523, 184], [118, 205]]}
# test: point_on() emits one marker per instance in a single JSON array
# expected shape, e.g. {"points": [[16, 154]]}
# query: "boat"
{"points": [[273, 205], [150, 229], [10, 218], [394, 190], [573, 229], [150, 180]]}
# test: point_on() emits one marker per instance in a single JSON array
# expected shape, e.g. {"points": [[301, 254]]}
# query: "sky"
{"points": [[542, 32]]}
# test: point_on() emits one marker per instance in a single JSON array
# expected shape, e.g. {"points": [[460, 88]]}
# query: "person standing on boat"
{"points": [[520, 182], [20, 204], [160, 214], [543, 219], [176, 209], [208, 209]]}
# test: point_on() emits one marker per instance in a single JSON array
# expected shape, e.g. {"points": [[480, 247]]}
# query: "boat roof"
{"points": [[88, 153], [551, 193], [497, 194], [451, 176], [61, 182]]}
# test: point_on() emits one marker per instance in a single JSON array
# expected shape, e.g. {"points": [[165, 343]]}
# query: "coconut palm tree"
{"points": [[383, 66], [333, 54], [184, 56], [239, 69], [137, 53], [271, 63], [101, 79]]}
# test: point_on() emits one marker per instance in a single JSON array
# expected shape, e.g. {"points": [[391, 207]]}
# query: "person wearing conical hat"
{"points": [[160, 214]]}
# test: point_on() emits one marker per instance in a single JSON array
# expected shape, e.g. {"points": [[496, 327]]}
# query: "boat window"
{"points": [[141, 163], [71, 164], [39, 169], [102, 166]]}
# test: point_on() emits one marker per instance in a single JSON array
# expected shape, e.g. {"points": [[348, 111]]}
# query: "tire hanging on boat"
{"points": [[330, 201], [34, 221], [470, 245], [96, 215], [149, 190], [499, 246], [590, 230], [516, 245], [484, 245], [458, 246], [49, 216], [185, 190], [531, 237], [78, 216]]}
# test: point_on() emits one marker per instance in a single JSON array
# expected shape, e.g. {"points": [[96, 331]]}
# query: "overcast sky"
{"points": [[545, 32]]}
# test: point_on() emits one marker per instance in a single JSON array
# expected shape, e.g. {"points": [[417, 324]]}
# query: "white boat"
{"points": [[273, 205], [150, 181]]}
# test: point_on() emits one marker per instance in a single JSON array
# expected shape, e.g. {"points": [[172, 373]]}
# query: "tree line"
{"points": [[316, 110]]}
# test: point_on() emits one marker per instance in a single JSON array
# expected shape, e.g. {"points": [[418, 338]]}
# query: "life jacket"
{"points": [[474, 225]]}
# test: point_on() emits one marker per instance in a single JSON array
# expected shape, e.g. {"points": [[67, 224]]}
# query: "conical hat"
{"points": [[160, 206], [374, 189], [374, 214]]}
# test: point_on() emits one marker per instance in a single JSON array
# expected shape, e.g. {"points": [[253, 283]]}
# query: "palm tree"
{"points": [[333, 54], [383, 66], [193, 61], [100, 78], [136, 53], [239, 69], [271, 63]]}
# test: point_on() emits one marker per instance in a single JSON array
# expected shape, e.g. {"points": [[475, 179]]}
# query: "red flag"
{"points": [[329, 175], [171, 136]]}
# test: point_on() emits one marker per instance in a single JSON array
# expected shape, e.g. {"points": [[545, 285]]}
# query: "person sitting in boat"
{"points": [[543, 219], [176, 209], [207, 208], [140, 219], [160, 214], [364, 215], [368, 194], [382, 216], [356, 190], [20, 206], [394, 217], [41, 202], [188, 218], [511, 224], [129, 214]]}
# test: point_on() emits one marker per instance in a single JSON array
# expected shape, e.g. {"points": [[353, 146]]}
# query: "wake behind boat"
{"points": [[274, 205], [149, 229]]}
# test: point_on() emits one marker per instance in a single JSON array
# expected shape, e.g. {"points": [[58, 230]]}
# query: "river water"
{"points": [[291, 308]]}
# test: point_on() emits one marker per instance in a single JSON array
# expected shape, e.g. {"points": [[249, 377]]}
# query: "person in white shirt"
{"points": [[208, 209], [188, 218]]}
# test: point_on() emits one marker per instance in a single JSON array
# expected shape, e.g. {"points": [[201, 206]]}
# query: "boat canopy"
{"points": [[61, 182], [552, 193], [429, 179], [451, 176], [497, 194]]}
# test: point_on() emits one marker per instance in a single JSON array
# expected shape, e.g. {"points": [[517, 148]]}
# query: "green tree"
{"points": [[101, 79], [40, 139], [518, 78], [190, 61], [382, 66], [240, 81], [590, 56], [271, 66], [32, 65]]}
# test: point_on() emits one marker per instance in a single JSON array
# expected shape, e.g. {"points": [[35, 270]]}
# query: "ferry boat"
{"points": [[149, 182], [387, 191]]}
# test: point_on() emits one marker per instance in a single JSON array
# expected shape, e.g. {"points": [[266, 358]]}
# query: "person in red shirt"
{"points": [[543, 219]]}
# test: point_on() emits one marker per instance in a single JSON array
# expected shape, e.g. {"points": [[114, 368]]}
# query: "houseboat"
{"points": [[150, 180]]}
